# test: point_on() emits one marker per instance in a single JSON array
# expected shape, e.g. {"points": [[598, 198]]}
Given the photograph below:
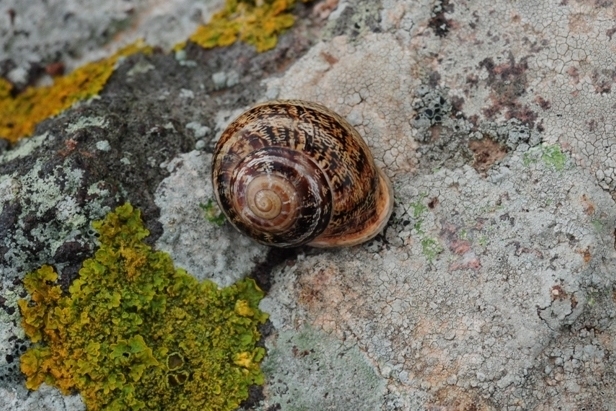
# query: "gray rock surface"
{"points": [[473, 279], [36, 34], [182, 198], [492, 288], [311, 370], [46, 398]]}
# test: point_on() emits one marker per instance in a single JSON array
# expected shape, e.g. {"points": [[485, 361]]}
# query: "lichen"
{"points": [[135, 333], [22, 112], [256, 22], [551, 155], [430, 248], [419, 210], [212, 213]]}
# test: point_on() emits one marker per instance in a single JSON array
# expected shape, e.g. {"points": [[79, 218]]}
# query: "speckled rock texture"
{"points": [[231, 256], [468, 285], [35, 36], [493, 285]]}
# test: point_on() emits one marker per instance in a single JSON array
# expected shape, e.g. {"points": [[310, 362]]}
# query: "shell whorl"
{"points": [[292, 172], [279, 196]]}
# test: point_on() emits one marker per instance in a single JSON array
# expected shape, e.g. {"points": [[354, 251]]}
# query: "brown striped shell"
{"points": [[293, 172]]}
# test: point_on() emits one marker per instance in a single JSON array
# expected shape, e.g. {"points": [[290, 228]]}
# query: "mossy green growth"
{"points": [[419, 209], [135, 333], [430, 248], [551, 155], [212, 213], [256, 22]]}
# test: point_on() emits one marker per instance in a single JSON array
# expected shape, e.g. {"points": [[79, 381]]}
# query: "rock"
{"points": [[207, 249], [492, 286], [473, 283]]}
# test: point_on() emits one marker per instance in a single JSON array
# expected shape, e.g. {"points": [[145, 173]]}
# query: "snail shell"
{"points": [[293, 172]]}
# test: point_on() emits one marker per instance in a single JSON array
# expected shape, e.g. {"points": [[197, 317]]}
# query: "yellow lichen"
{"points": [[135, 333], [257, 22], [21, 113]]}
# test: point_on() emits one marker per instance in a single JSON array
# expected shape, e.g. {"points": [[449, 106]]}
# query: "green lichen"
{"points": [[256, 22], [551, 155], [430, 248], [419, 209], [135, 333], [483, 241], [597, 225], [212, 213]]}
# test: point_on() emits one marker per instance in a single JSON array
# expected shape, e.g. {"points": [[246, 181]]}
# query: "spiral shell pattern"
{"points": [[293, 172]]}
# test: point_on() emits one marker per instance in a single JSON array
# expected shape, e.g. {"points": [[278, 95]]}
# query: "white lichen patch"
{"points": [[103, 145], [9, 189], [10, 332], [140, 67], [187, 94], [86, 122], [309, 357], [50, 196], [25, 148], [202, 247], [198, 129]]}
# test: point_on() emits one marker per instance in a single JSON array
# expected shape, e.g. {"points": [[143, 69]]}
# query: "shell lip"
{"points": [[385, 208]]}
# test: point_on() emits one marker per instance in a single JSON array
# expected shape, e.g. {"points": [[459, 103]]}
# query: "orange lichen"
{"points": [[256, 22], [21, 113]]}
